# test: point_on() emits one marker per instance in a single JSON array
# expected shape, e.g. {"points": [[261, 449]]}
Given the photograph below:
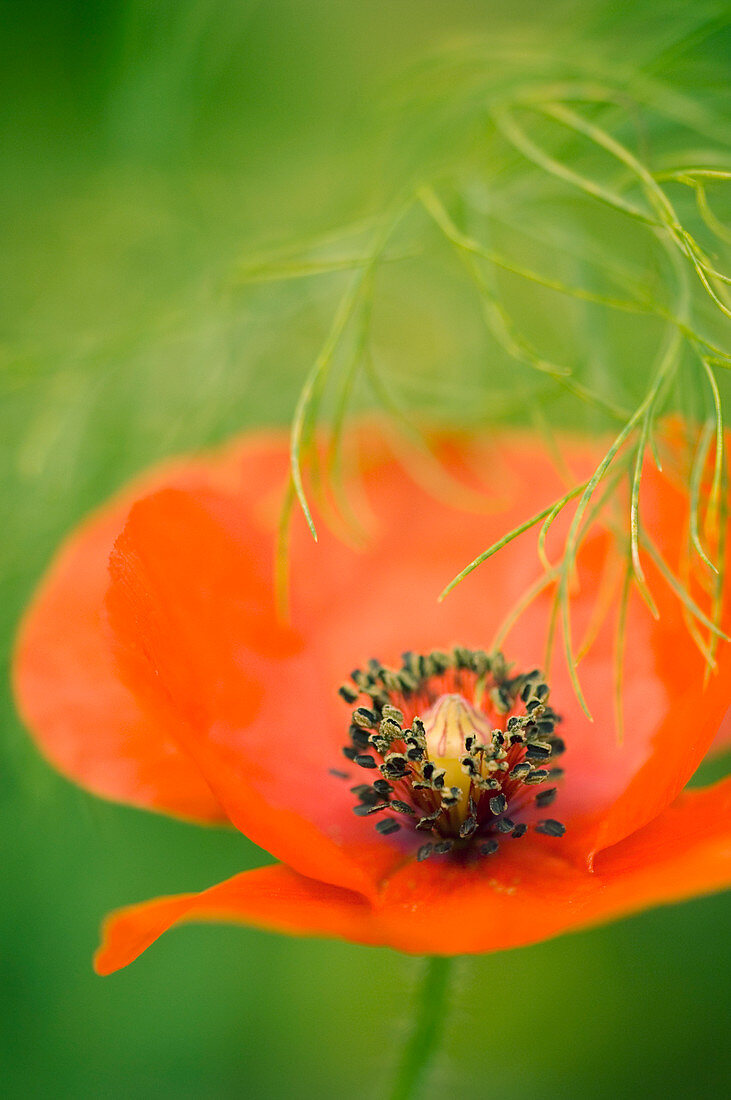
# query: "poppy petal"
{"points": [[69, 693], [508, 903], [192, 606], [85, 719], [525, 895], [273, 898]]}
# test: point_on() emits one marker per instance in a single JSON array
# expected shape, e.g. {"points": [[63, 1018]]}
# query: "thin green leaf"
{"points": [[665, 211], [306, 408], [439, 213], [517, 137], [565, 606], [520, 605], [699, 463], [509, 538], [715, 494], [682, 594]]}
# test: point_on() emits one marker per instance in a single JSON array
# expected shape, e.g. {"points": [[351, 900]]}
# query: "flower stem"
{"points": [[421, 1047]]}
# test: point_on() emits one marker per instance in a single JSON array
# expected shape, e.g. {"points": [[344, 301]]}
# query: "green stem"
{"points": [[422, 1044]]}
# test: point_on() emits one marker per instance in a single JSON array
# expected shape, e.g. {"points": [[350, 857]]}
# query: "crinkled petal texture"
{"points": [[92, 725], [169, 681], [520, 899]]}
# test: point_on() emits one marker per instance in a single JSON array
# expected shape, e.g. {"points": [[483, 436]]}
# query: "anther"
{"points": [[550, 827], [363, 809], [365, 793], [387, 826], [365, 718], [390, 730], [409, 683], [469, 765], [380, 744], [440, 661], [451, 797], [360, 737], [538, 775], [538, 750], [391, 681], [394, 765], [498, 804], [419, 728]]}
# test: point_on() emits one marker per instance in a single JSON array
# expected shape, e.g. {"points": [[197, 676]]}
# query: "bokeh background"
{"points": [[173, 174]]}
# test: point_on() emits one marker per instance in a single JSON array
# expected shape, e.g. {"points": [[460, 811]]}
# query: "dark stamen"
{"points": [[498, 804], [448, 713], [363, 809], [551, 827], [364, 718]]}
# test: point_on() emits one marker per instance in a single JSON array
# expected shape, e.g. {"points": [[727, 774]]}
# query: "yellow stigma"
{"points": [[447, 723]]}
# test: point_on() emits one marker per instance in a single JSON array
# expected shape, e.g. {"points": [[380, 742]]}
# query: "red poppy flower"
{"points": [[153, 669]]}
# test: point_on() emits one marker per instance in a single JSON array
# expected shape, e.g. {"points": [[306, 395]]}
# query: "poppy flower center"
{"points": [[464, 749]]}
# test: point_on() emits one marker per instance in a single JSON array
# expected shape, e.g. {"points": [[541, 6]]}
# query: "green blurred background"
{"points": [[153, 154]]}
